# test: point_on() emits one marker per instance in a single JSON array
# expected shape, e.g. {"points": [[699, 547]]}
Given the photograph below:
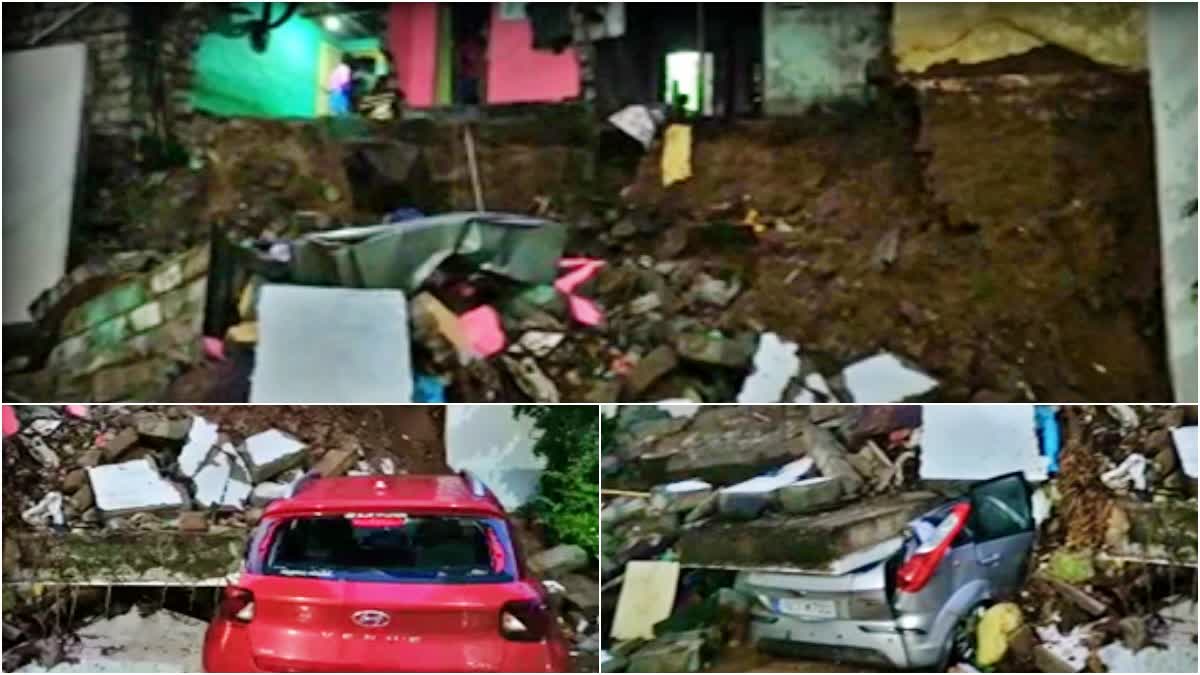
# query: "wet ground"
{"points": [[749, 660]]}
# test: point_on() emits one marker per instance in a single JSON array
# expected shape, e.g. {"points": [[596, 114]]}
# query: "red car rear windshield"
{"points": [[385, 547]]}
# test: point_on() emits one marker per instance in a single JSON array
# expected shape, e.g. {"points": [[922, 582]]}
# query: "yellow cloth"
{"points": [[925, 34], [677, 154], [998, 622], [244, 333]]}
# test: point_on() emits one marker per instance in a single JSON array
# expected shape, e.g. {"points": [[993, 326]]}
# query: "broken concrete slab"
{"points": [[270, 453], [776, 362], [883, 378], [680, 496], [1184, 439], [978, 442], [201, 439], [132, 487], [809, 495], [193, 521], [716, 350], [647, 597], [750, 498], [320, 344], [831, 458], [210, 481], [808, 542], [559, 560], [621, 510], [48, 511]]}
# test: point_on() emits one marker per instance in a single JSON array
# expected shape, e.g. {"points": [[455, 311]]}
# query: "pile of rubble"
{"points": [[692, 498], [733, 487]]}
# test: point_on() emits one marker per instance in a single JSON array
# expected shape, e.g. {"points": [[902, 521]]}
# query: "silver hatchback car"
{"points": [[915, 606]]}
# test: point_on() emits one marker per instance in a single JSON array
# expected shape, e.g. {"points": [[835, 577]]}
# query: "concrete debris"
{"points": [[559, 560], [44, 427], [831, 458], [884, 379], [48, 511], [41, 452], [713, 291], [1125, 415], [210, 481], [1079, 597], [775, 364], [621, 510], [1129, 473], [645, 303], [156, 427], [749, 498], [132, 487], [116, 446], [673, 654], [681, 496], [336, 462], [267, 492], [193, 521], [1060, 653], [202, 437], [715, 349], [270, 453], [531, 379], [649, 369], [1002, 439], [131, 643], [647, 596], [1184, 439], [810, 495], [539, 343]]}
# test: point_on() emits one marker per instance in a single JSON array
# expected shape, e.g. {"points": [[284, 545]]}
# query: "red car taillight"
{"points": [[237, 604], [525, 621], [917, 570]]}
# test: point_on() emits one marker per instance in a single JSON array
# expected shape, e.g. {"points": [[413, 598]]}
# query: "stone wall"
{"points": [[126, 342], [123, 40]]}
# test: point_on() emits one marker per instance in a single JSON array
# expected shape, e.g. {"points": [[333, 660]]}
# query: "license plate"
{"points": [[814, 609]]}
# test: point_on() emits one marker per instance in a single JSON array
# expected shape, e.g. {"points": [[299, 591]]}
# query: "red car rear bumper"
{"points": [[227, 650]]}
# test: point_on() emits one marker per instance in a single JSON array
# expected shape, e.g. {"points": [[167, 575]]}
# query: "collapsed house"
{"points": [[708, 515], [109, 510], [738, 239]]}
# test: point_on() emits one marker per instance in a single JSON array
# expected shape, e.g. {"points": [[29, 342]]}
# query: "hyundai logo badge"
{"points": [[371, 618]]}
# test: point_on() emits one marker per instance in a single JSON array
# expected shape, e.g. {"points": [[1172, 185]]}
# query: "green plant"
{"points": [[568, 496]]}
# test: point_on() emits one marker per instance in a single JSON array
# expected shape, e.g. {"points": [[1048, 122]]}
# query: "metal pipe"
{"points": [[62, 21]]}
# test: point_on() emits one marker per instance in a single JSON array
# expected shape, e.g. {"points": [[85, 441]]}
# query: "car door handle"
{"points": [[990, 560]]}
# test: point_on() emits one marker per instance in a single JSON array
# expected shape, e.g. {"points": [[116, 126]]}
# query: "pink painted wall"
{"points": [[517, 73], [412, 39]]}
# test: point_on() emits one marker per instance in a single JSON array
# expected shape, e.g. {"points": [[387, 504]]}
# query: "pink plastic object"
{"points": [[483, 329], [582, 309], [11, 424], [80, 411], [214, 348]]}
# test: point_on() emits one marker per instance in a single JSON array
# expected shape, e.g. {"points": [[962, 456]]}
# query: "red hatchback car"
{"points": [[385, 574]]}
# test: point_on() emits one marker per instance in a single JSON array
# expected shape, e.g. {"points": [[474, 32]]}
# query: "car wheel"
{"points": [[963, 638]]}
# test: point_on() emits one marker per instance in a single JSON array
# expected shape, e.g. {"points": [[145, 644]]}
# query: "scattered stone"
{"points": [[1133, 632], [90, 458], [74, 480], [884, 379], [559, 560], [46, 512], [42, 453], [202, 437], [83, 501], [830, 457], [270, 453], [715, 349], [713, 291], [624, 228], [810, 495], [132, 487], [157, 427], [1131, 472], [582, 591], [193, 521], [645, 303], [1124, 415], [649, 369], [531, 380], [540, 343], [887, 249], [668, 655], [44, 427], [621, 510], [775, 364], [1060, 653], [336, 462], [117, 445]]}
